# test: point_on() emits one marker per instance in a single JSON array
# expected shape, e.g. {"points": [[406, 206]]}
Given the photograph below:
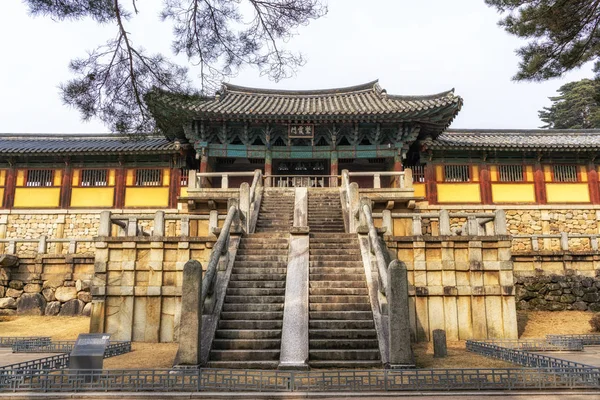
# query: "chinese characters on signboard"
{"points": [[301, 131]]}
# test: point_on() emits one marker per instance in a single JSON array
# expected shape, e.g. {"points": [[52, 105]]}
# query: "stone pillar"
{"points": [[159, 223], [445, 223], [440, 348], [190, 332], [334, 168], [400, 353], [301, 207], [98, 289], [387, 222]]}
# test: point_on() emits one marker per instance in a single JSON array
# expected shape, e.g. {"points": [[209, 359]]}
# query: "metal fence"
{"points": [[297, 381], [37, 346], [585, 339], [562, 343], [10, 341]]}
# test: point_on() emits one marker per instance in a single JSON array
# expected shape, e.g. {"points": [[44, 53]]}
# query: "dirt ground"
{"points": [[532, 324]]}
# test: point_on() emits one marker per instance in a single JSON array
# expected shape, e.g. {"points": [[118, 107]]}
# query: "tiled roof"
{"points": [[362, 102], [533, 139], [11, 144]]}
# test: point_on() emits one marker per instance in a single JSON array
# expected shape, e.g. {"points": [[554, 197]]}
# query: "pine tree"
{"points": [[576, 107]]}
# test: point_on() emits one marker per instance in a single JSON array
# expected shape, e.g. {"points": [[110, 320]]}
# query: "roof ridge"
{"points": [[421, 97], [227, 87], [57, 136], [507, 132]]}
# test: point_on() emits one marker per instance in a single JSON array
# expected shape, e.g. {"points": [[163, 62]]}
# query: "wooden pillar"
{"points": [[268, 166], [65, 187], [540, 183], [431, 183], [593, 183], [397, 167], [174, 187], [203, 167], [120, 176], [485, 184], [334, 168], [9, 187]]}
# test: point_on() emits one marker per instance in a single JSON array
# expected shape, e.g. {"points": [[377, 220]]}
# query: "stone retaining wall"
{"points": [[51, 285], [558, 292]]}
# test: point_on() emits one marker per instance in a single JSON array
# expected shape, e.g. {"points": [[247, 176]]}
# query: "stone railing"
{"points": [[254, 200], [43, 244], [308, 181], [477, 224], [399, 179], [201, 180], [563, 238]]}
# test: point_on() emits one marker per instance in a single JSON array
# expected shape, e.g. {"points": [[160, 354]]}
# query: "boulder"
{"points": [[579, 306], [8, 260], [32, 288], [16, 284], [87, 310], [71, 308], [2, 291], [4, 276], [82, 285], [53, 284], [13, 293], [86, 297], [567, 298], [591, 297], [53, 308], [48, 294], [65, 294], [8, 302], [594, 307], [7, 312], [31, 304]]}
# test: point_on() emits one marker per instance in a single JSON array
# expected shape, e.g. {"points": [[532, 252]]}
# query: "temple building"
{"points": [[300, 182]]}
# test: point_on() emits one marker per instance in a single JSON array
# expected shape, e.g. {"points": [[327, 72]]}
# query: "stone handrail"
{"points": [[220, 248], [564, 239], [376, 247], [196, 179], [255, 199], [129, 222], [301, 180], [404, 177], [43, 242], [476, 224]]}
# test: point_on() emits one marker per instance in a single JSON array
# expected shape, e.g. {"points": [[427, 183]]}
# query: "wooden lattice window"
{"points": [[183, 177], [148, 177], [510, 173], [94, 177], [457, 173], [565, 173], [40, 178], [418, 172]]}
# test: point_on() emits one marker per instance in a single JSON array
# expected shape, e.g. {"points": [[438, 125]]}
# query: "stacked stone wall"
{"points": [[558, 292], [53, 285]]}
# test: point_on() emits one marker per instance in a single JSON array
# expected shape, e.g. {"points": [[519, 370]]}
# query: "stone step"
{"points": [[235, 307], [343, 291], [344, 364], [334, 250], [244, 355], [252, 324], [350, 354], [263, 246], [257, 277], [348, 245], [258, 270], [340, 324], [346, 344], [340, 311], [331, 300], [254, 299], [262, 257], [256, 291], [246, 344], [256, 284], [336, 284], [265, 364], [248, 314], [339, 307], [328, 266], [333, 334], [261, 251], [258, 264], [333, 257], [249, 334], [336, 277], [336, 235]]}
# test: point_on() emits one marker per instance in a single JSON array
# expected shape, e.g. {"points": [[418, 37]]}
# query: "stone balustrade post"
{"points": [[185, 225], [594, 243], [387, 222], [376, 181], [362, 220], [417, 225], [400, 351], [72, 247], [43, 245], [408, 179], [159, 223], [472, 226], [105, 223], [225, 181], [132, 227], [192, 179], [354, 203], [500, 222], [535, 244], [564, 241], [12, 247], [445, 223], [213, 221]]}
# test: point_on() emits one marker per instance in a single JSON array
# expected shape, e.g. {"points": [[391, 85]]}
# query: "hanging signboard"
{"points": [[302, 131]]}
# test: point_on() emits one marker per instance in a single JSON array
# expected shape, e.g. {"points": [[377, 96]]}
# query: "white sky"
{"points": [[412, 47]]}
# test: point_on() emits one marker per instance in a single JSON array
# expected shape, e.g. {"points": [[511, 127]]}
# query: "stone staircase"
{"points": [[325, 211], [341, 329], [249, 330]]}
